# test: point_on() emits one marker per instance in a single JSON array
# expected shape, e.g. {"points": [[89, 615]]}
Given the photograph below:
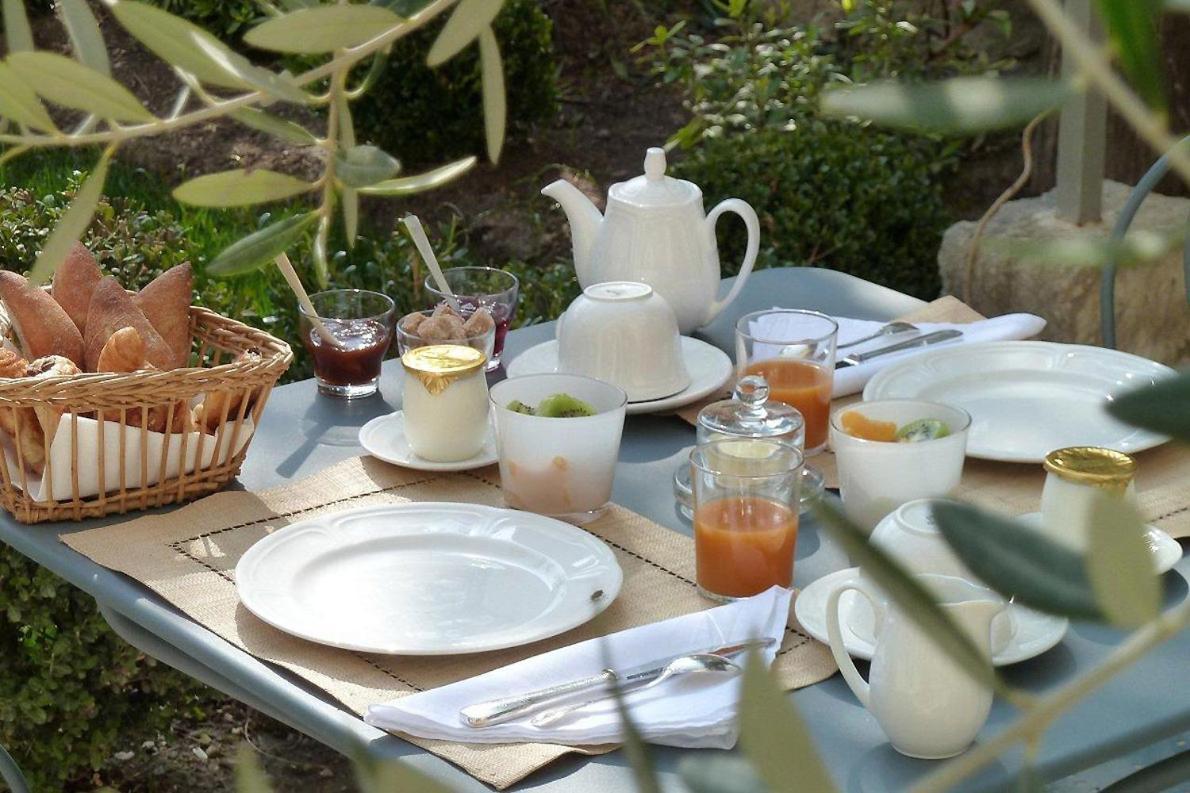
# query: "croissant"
{"points": [[123, 352], [218, 406], [12, 363], [21, 424]]}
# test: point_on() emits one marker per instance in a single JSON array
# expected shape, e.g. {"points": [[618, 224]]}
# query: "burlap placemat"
{"points": [[189, 556], [1163, 478]]}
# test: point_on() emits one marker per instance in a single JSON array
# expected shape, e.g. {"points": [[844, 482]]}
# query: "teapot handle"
{"points": [[745, 211], [835, 633]]}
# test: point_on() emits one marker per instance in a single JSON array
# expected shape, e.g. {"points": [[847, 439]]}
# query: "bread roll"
{"points": [[112, 309], [43, 326], [166, 304], [74, 282]]}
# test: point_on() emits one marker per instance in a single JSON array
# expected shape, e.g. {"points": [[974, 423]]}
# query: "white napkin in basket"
{"points": [[688, 712]]}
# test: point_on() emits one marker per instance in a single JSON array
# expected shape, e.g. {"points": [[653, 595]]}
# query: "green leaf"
{"points": [[1120, 564], [311, 31], [958, 105], [249, 776], [719, 773], [85, 38], [469, 19], [1132, 29], [259, 248], [71, 84], [644, 771], [1018, 561], [360, 166], [1160, 407], [73, 223], [20, 103], [278, 127], [390, 776], [495, 110], [17, 32], [911, 596], [405, 8], [350, 199], [240, 187], [197, 52], [407, 185], [773, 736], [1138, 247]]}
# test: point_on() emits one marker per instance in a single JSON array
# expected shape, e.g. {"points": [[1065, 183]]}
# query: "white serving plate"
{"points": [[384, 438], [1027, 398], [427, 578], [1035, 632], [709, 369]]}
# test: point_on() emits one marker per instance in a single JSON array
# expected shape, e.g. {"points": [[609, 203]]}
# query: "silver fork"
{"points": [[891, 329]]}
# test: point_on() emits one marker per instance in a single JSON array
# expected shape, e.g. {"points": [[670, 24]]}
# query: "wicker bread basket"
{"points": [[101, 459]]}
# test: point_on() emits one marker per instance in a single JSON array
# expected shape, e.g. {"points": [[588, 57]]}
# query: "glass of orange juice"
{"points": [[745, 515], [794, 350]]}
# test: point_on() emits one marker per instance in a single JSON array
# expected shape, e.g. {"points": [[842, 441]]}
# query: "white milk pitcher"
{"points": [[927, 705]]}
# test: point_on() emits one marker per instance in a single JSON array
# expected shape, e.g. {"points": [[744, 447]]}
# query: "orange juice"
{"points": [[744, 545], [802, 385]]}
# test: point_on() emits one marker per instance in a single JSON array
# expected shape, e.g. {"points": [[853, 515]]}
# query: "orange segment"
{"points": [[857, 425]]}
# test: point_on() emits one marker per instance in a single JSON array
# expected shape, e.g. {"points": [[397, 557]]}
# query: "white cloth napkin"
{"points": [[694, 712], [852, 379]]}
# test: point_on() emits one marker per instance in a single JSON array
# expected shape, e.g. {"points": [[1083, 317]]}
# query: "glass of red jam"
{"points": [[482, 287], [361, 324]]}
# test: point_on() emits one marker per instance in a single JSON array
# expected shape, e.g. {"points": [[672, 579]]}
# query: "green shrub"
{"points": [[225, 18], [425, 116]]}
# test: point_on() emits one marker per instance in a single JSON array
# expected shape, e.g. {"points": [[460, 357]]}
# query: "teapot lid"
{"points": [[654, 188], [750, 413]]}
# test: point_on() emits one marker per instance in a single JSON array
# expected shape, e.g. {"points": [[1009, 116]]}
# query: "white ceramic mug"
{"points": [[624, 333]]}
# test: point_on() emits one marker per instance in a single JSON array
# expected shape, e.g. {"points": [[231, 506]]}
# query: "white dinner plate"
{"points": [[709, 369], [427, 578], [1166, 551], [1027, 398], [384, 438], [1035, 632]]}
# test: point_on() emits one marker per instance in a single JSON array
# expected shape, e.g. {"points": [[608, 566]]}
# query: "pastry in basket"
{"points": [[41, 325], [74, 283], [218, 406], [112, 308], [21, 424], [166, 304], [125, 352]]}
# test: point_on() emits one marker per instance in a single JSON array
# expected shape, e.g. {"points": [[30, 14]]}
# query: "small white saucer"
{"points": [[1166, 551], [384, 438], [1035, 632], [709, 369]]}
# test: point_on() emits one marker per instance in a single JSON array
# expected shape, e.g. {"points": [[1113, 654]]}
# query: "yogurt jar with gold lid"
{"points": [[1074, 477], [445, 399]]}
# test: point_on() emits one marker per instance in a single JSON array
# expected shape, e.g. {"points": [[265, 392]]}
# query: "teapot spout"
{"points": [[584, 221]]}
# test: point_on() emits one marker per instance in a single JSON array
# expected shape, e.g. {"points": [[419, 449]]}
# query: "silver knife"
{"points": [[936, 337], [496, 711]]}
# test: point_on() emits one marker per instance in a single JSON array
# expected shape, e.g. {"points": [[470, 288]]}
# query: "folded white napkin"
{"points": [[852, 379], [696, 711]]}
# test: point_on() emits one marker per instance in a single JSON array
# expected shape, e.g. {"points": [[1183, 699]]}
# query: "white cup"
{"points": [[624, 333]]}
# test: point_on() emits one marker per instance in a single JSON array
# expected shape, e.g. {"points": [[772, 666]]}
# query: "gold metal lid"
{"points": [[1091, 465], [439, 365]]}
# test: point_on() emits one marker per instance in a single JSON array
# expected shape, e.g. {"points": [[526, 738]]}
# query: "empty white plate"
{"points": [[384, 437], [1035, 632], [1166, 551], [709, 369], [1027, 398], [427, 579]]}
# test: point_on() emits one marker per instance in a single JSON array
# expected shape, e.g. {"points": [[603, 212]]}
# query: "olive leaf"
{"points": [[1119, 563], [17, 33], [278, 127], [259, 248], [73, 222], [406, 185], [1132, 29], [469, 19], [20, 103], [71, 84], [719, 773], [1160, 407], [85, 38], [360, 166], [389, 776], [311, 31], [494, 105], [350, 208], [959, 105], [249, 775], [1017, 561], [239, 187]]}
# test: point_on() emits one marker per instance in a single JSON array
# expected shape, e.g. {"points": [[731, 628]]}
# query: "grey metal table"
{"points": [[302, 433]]}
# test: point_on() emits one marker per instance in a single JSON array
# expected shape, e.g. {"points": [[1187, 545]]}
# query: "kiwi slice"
{"points": [[922, 430], [563, 406], [517, 406]]}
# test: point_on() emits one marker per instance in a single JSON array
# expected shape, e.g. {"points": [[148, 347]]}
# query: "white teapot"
{"points": [[655, 231]]}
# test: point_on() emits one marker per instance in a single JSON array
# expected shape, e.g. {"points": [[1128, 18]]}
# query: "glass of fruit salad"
{"points": [[558, 438], [893, 451]]}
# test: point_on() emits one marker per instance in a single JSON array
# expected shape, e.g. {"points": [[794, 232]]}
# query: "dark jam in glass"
{"points": [[357, 357]]}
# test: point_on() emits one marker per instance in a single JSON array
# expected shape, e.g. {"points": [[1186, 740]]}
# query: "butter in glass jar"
{"points": [[1074, 476], [445, 398]]}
